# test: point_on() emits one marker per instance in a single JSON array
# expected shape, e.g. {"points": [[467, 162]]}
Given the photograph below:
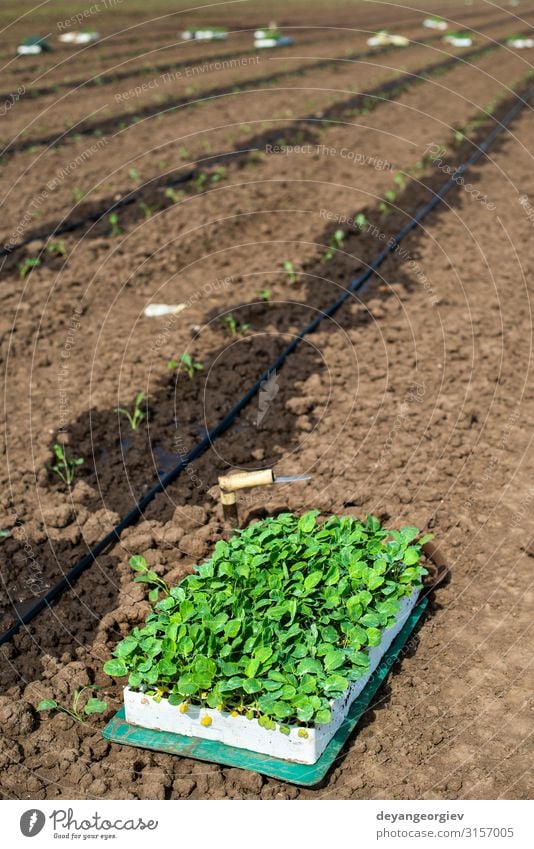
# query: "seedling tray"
{"points": [[120, 731]]}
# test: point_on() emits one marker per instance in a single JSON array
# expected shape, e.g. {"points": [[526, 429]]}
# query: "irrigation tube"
{"points": [[355, 285]]}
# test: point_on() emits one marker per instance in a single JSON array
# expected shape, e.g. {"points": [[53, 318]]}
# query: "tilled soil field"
{"points": [[413, 402]]}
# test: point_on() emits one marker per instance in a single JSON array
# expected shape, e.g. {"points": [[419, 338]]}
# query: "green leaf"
{"points": [[187, 610], [334, 659], [374, 636], [232, 628], [323, 717], [374, 580], [263, 653], [126, 647], [425, 538], [116, 668], [186, 686], [335, 684], [138, 563], [308, 521], [333, 575], [252, 667], [371, 620], [309, 665], [95, 706], [47, 704], [251, 685], [166, 667], [408, 534], [411, 556], [312, 580], [281, 710]]}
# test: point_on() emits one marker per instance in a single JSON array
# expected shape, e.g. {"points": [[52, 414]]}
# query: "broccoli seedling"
{"points": [[289, 269], [26, 266], [218, 174], [186, 363], [147, 576], [361, 221], [113, 219], [384, 205], [77, 195], [137, 415], [92, 705], [145, 209], [172, 195], [134, 174], [335, 243], [201, 180], [232, 326], [264, 294], [65, 467], [56, 249]]}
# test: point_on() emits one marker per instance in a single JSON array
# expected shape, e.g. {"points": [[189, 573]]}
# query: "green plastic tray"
{"points": [[120, 731]]}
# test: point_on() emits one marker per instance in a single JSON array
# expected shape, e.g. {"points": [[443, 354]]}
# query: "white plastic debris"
{"points": [[79, 37], [206, 34], [520, 42], [462, 39], [32, 46], [271, 37], [282, 41], [435, 23], [385, 38], [156, 310]]}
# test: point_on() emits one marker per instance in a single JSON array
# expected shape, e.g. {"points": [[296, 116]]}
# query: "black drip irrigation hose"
{"points": [[355, 285]]}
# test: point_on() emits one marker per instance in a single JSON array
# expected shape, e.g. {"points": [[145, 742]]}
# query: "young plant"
{"points": [[145, 575], [187, 364], [278, 622], [264, 294], [137, 415], [233, 327], [218, 174], [113, 219], [26, 266], [390, 196], [56, 249], [134, 174], [78, 195], [335, 243], [145, 209], [200, 180], [172, 195], [92, 705], [65, 467], [289, 269], [361, 221]]}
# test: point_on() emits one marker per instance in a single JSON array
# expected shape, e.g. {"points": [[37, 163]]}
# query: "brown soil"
{"points": [[414, 402]]}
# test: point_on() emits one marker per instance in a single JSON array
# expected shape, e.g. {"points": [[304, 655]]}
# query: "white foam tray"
{"points": [[242, 733]]}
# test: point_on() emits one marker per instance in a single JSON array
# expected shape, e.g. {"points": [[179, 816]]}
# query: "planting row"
{"points": [[129, 42], [85, 166], [157, 83]]}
